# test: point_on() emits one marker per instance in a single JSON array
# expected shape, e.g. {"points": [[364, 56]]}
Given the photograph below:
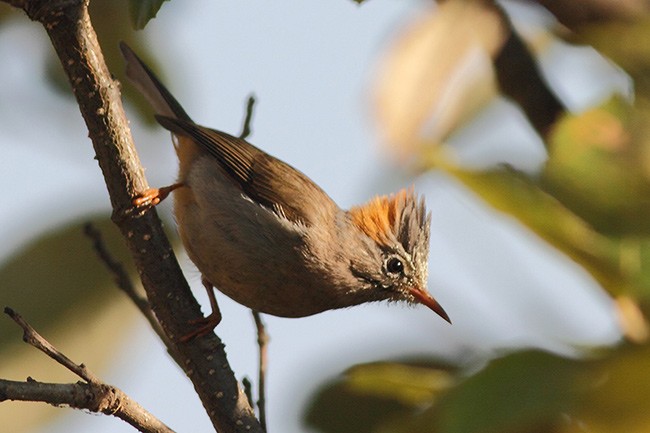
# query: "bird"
{"points": [[264, 234]]}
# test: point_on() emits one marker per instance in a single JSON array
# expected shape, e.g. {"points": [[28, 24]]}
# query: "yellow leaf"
{"points": [[438, 73]]}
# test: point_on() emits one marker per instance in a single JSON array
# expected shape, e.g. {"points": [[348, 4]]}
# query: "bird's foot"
{"points": [[153, 196], [205, 326]]}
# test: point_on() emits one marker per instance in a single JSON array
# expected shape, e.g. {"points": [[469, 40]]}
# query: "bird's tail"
{"points": [[150, 86]]}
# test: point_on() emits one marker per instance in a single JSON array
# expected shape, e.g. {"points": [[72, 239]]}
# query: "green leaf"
{"points": [[408, 384], [517, 195], [337, 408], [524, 392], [597, 167], [535, 391], [371, 395], [7, 11], [614, 392], [142, 11], [621, 41], [58, 284], [57, 273], [512, 394]]}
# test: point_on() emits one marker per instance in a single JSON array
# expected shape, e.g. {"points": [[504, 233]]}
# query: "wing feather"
{"points": [[267, 180]]}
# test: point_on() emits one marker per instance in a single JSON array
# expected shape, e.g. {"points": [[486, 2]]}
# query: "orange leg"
{"points": [[153, 196], [207, 324]]}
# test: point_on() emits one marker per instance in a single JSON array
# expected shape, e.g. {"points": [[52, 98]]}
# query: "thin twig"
{"points": [[262, 336], [248, 390], [262, 342], [520, 79], [95, 395], [246, 128], [122, 279], [33, 338]]}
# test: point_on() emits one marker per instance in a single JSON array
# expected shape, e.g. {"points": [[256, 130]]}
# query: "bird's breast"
{"points": [[245, 250]]}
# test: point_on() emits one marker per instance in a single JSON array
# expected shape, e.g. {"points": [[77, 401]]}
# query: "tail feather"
{"points": [[148, 84]]}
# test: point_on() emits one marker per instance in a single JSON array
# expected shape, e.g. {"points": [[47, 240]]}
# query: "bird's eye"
{"points": [[394, 266]]}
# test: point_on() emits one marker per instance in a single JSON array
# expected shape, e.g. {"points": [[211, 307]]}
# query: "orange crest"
{"points": [[380, 217]]}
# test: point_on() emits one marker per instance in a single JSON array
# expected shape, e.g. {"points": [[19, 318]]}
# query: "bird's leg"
{"points": [[207, 324], [153, 196]]}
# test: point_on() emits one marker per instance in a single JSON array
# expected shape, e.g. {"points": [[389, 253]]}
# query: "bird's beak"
{"points": [[426, 299]]}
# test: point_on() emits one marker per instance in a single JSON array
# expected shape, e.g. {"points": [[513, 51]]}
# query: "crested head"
{"points": [[400, 218], [399, 228]]}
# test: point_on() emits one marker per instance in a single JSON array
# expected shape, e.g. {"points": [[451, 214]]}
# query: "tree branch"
{"points": [[262, 336], [122, 280], [203, 359], [94, 395], [33, 338], [246, 128], [520, 79], [262, 342]]}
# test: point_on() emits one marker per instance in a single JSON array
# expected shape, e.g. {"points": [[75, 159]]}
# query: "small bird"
{"points": [[267, 236]]}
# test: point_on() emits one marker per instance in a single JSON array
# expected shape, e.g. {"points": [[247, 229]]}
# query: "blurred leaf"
{"points": [[517, 195], [142, 11], [370, 395], [56, 273], [61, 288], [632, 320], [7, 11], [512, 394], [576, 13], [540, 392], [595, 168], [88, 333], [615, 392], [635, 260], [438, 73], [623, 42], [524, 392], [339, 409], [408, 384]]}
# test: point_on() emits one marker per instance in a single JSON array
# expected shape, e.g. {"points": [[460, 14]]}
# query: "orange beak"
{"points": [[425, 299]]}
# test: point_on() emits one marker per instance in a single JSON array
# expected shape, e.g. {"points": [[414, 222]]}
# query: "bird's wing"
{"points": [[265, 179]]}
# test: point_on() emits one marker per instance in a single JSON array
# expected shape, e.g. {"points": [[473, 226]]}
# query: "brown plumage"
{"points": [[267, 236]]}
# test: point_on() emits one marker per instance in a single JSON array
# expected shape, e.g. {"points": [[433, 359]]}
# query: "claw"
{"points": [[207, 325], [153, 196], [150, 197]]}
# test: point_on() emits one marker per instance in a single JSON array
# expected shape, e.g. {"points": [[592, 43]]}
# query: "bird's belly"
{"points": [[264, 275], [248, 252]]}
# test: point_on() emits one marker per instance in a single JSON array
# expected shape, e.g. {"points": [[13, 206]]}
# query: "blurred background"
{"points": [[524, 123]]}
